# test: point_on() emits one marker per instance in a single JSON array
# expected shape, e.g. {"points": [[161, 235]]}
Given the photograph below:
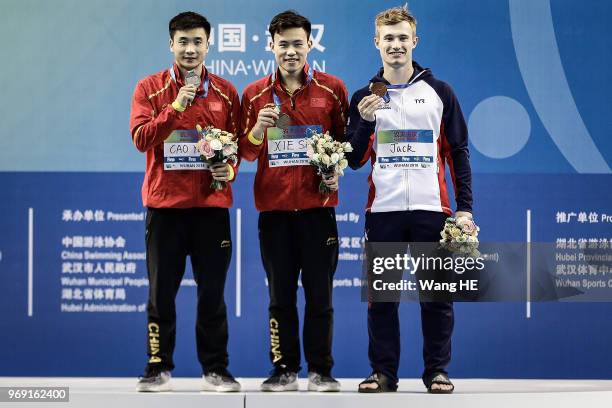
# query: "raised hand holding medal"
{"points": [[192, 79], [266, 118], [368, 105], [283, 120]]}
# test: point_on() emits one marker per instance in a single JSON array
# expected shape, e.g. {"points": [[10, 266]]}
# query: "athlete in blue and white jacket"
{"points": [[409, 134], [427, 107]]}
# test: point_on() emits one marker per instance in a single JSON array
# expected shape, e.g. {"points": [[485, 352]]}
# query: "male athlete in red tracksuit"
{"points": [[297, 224], [184, 215]]}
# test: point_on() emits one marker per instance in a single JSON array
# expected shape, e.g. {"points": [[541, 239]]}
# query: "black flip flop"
{"points": [[440, 379], [382, 381]]}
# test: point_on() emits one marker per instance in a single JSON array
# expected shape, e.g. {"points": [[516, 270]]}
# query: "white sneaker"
{"points": [[154, 382], [221, 381], [322, 383]]}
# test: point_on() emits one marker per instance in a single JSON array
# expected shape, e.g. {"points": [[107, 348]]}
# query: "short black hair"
{"points": [[289, 19], [188, 20]]}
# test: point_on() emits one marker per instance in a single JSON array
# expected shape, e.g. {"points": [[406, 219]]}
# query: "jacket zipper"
{"points": [[406, 178], [294, 168], [406, 195], [293, 190]]}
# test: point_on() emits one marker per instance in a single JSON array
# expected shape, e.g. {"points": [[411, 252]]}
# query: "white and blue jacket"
{"points": [[416, 133]]}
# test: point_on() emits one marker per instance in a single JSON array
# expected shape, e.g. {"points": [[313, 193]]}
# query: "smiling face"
{"points": [[290, 48], [395, 43], [189, 48]]}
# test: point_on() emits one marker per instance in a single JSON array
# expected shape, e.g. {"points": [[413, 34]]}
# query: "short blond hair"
{"points": [[395, 15]]}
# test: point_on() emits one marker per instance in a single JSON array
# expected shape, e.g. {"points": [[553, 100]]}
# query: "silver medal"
{"points": [[191, 78]]}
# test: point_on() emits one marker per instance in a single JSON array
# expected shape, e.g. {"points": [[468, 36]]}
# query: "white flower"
{"points": [[343, 163], [316, 157], [347, 147], [309, 151], [320, 149], [334, 158], [216, 144], [329, 145], [454, 232], [225, 139], [325, 159]]}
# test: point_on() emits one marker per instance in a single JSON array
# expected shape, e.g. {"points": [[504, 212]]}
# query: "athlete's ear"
{"points": [[376, 42], [415, 42]]}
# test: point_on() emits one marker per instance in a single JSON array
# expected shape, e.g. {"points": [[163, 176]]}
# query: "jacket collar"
{"points": [[418, 74], [275, 77]]}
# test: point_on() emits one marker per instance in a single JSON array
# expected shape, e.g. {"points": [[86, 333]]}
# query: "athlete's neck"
{"points": [[397, 76], [292, 81], [184, 71]]}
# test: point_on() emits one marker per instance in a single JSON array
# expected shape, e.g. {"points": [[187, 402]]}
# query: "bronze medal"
{"points": [[378, 88], [283, 121]]}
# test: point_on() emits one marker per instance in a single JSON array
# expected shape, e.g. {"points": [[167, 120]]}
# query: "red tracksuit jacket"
{"points": [[153, 119], [322, 100]]}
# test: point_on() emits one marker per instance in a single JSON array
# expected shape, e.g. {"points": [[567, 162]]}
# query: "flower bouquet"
{"points": [[216, 146], [460, 236], [327, 155]]}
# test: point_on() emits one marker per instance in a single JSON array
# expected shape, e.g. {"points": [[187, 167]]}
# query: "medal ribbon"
{"points": [[275, 97], [387, 98]]}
